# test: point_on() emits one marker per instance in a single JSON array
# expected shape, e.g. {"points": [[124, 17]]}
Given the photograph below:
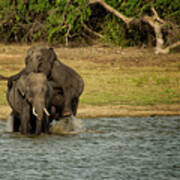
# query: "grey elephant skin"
{"points": [[67, 83], [30, 98], [68, 86]]}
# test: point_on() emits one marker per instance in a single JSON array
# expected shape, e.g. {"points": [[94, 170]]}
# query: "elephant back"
{"points": [[67, 78]]}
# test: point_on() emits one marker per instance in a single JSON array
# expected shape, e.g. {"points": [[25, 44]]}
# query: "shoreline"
{"points": [[88, 111]]}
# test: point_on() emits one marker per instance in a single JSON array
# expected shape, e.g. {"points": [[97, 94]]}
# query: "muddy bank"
{"points": [[129, 111], [87, 111]]}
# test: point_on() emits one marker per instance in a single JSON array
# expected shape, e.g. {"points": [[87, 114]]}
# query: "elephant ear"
{"points": [[21, 86], [53, 55], [21, 92], [27, 59]]}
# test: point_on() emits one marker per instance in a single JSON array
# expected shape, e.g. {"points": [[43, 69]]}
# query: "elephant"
{"points": [[30, 98], [38, 59], [66, 82], [68, 86]]}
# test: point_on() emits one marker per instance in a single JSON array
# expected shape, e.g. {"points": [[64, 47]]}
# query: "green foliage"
{"points": [[42, 19], [56, 20], [169, 9]]}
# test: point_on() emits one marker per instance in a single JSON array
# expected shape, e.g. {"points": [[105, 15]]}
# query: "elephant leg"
{"points": [[25, 119], [45, 124], [74, 105], [67, 110], [53, 112], [16, 124], [32, 124], [13, 123]]}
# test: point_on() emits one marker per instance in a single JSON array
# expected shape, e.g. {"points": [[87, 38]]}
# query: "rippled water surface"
{"points": [[112, 148]]}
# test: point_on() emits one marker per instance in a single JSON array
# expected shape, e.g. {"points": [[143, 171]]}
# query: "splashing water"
{"points": [[9, 124], [78, 124], [68, 125]]}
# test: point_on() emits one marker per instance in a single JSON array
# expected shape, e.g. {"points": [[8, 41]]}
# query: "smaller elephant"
{"points": [[30, 98]]}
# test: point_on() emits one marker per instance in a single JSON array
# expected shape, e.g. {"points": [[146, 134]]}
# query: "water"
{"points": [[112, 148]]}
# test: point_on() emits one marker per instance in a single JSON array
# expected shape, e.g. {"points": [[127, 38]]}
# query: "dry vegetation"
{"points": [[118, 82]]}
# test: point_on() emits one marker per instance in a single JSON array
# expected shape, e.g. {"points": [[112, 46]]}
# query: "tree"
{"points": [[154, 21], [122, 22]]}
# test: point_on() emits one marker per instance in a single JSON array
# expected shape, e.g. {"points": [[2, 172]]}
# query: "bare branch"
{"points": [[157, 30], [67, 34], [127, 20], [174, 45], [156, 16], [154, 21], [167, 49], [92, 32]]}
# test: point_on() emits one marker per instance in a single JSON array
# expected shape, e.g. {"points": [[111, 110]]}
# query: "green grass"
{"points": [[107, 84], [135, 86], [132, 87]]}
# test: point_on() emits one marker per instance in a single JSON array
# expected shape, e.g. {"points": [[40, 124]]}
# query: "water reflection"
{"points": [[126, 148]]}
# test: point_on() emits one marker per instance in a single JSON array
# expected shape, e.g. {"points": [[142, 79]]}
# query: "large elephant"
{"points": [[30, 98], [67, 84]]}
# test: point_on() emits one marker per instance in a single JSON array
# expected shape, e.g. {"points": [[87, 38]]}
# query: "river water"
{"points": [[145, 148]]}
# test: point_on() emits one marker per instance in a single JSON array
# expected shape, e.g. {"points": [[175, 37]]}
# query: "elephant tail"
{"points": [[3, 78]]}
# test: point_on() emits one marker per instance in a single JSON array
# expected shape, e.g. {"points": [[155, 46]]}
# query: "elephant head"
{"points": [[40, 59], [36, 91]]}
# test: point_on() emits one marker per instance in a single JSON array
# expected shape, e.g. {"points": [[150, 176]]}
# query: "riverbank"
{"points": [[87, 111], [118, 81]]}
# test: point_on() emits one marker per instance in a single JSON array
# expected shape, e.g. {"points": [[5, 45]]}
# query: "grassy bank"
{"points": [[113, 76]]}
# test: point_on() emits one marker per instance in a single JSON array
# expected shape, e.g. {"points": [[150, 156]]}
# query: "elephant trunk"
{"points": [[67, 111], [39, 110]]}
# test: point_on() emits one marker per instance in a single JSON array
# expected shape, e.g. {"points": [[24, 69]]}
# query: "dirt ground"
{"points": [[124, 57], [87, 111]]}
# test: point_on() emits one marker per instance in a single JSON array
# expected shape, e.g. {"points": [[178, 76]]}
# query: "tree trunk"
{"points": [[154, 21]]}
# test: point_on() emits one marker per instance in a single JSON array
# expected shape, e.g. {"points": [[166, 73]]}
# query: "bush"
{"points": [[62, 21]]}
